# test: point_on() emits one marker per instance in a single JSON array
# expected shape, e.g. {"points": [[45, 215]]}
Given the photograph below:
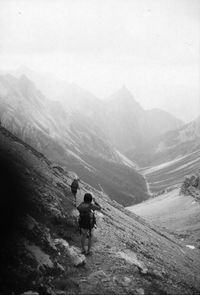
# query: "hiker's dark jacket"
{"points": [[87, 218], [74, 186]]}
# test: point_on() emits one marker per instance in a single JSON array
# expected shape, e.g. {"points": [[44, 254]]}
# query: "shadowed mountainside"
{"points": [[68, 138], [41, 251]]}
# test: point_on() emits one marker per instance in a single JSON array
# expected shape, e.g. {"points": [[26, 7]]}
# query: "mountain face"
{"points": [[69, 138], [40, 253], [130, 127], [126, 124], [124, 120]]}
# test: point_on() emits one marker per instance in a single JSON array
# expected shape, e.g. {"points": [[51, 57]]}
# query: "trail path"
{"points": [[124, 260]]}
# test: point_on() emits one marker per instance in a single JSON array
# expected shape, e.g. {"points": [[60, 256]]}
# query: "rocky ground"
{"points": [[191, 186], [40, 252]]}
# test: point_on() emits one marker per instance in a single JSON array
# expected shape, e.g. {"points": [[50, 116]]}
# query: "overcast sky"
{"points": [[151, 46]]}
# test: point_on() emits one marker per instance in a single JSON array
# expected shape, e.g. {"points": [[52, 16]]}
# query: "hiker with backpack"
{"points": [[87, 220], [74, 188]]}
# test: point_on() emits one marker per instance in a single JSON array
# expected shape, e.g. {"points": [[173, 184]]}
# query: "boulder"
{"points": [[76, 257], [131, 258]]}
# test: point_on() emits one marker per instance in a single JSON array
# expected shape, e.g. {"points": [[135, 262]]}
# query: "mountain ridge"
{"points": [[68, 138]]}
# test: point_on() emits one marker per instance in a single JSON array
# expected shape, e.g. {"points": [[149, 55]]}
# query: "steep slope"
{"points": [[72, 97], [178, 210], [67, 137], [179, 214], [41, 253]]}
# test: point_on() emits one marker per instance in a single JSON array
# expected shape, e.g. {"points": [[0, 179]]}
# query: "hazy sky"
{"points": [[151, 46]]}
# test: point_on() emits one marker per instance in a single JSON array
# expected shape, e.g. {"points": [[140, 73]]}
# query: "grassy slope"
{"points": [[171, 173], [155, 263], [178, 214]]}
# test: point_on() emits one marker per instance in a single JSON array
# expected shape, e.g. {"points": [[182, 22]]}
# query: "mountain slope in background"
{"points": [[170, 157], [126, 124], [172, 173], [124, 120], [171, 145], [178, 211], [68, 137], [130, 127], [41, 251], [161, 121]]}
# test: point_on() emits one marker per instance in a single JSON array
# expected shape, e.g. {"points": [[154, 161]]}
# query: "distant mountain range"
{"points": [[120, 117], [102, 141], [68, 138], [130, 127]]}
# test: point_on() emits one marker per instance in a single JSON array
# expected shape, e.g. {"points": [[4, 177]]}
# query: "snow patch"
{"points": [[191, 247]]}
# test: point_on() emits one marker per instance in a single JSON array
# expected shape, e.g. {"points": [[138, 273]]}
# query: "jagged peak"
{"points": [[125, 92], [123, 96]]}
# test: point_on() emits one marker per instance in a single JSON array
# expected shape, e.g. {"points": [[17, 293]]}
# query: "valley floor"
{"points": [[179, 214]]}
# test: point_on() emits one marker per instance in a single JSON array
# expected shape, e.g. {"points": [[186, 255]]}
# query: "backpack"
{"points": [[87, 219]]}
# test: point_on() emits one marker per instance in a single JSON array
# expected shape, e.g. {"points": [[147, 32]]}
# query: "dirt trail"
{"points": [[124, 260]]}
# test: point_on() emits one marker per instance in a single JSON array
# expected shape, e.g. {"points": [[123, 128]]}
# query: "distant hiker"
{"points": [[87, 220], [74, 188]]}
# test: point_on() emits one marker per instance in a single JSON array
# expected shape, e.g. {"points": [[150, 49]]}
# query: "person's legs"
{"points": [[89, 242], [83, 238], [74, 194]]}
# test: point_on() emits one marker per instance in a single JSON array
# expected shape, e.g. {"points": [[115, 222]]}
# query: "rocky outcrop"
{"points": [[191, 186]]}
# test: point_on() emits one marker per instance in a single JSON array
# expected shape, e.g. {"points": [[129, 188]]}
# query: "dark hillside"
{"points": [[120, 182], [42, 253], [68, 137]]}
